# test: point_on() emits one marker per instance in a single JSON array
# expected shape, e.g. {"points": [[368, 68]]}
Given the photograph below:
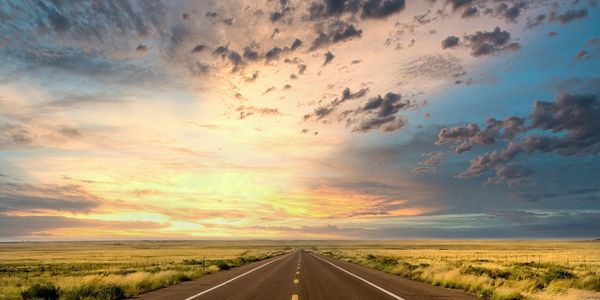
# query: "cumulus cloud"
{"points": [[450, 42], [463, 138], [335, 32], [376, 9], [512, 175], [380, 112], [490, 42], [569, 16], [573, 123], [511, 13]]}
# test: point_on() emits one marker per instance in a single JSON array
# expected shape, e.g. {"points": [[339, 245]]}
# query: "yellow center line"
{"points": [[297, 272], [296, 281], [294, 297]]}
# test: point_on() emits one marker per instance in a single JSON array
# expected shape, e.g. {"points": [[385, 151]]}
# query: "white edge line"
{"points": [[234, 278], [358, 277]]}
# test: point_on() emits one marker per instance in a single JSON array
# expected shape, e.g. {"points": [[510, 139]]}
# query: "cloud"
{"points": [[369, 9], [434, 66], [512, 175], [430, 163], [379, 112], [248, 111], [296, 44], [381, 8], [335, 32], [538, 20], [470, 12], [463, 138], [490, 42], [273, 53], [141, 48], [26, 226], [25, 197], [13, 135], [328, 57], [324, 111], [458, 4], [569, 16], [450, 42], [511, 13], [573, 123]]}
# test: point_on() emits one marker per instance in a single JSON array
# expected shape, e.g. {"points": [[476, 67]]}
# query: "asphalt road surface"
{"points": [[300, 276]]}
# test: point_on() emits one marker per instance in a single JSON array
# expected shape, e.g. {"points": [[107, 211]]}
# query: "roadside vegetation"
{"points": [[502, 270], [114, 270]]}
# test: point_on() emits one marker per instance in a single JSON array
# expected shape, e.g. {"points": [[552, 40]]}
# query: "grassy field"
{"points": [[491, 269], [114, 270]]}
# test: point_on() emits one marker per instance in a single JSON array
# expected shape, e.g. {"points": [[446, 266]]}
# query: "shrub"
{"points": [[222, 265], [41, 291], [109, 291], [556, 273]]}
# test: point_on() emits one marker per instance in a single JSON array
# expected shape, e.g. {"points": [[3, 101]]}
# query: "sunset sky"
{"points": [[283, 119]]}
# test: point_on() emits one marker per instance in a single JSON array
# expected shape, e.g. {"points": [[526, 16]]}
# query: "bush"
{"points": [[492, 273], [222, 265], [107, 291], [556, 273], [41, 291]]}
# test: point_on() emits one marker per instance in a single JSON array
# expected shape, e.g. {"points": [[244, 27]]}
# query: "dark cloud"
{"points": [[335, 32], [512, 175], [284, 8], [301, 68], [470, 12], [325, 110], [141, 48], [531, 23], [235, 58], [458, 4], [572, 120], [490, 42], [273, 53], [450, 42], [379, 112], [25, 197], [463, 138], [296, 44], [198, 48], [250, 54], [386, 124], [376, 9], [328, 57], [511, 13], [381, 8], [569, 16], [221, 51]]}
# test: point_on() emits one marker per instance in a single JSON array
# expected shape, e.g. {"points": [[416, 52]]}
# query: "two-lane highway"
{"points": [[301, 275]]}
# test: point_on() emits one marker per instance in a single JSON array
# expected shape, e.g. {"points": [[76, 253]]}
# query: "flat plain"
{"points": [[119, 269]]}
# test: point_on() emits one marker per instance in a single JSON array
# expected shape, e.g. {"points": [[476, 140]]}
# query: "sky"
{"points": [[286, 119]]}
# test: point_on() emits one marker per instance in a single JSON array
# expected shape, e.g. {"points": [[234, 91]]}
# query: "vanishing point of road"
{"points": [[301, 276]]}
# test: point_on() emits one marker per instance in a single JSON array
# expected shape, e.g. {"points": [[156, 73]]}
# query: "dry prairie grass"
{"points": [[113, 270], [544, 270]]}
